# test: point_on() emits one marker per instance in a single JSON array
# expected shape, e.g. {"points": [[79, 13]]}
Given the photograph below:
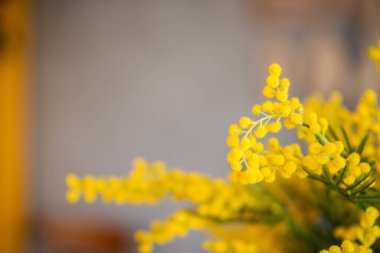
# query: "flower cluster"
{"points": [[213, 200], [162, 232], [358, 238], [301, 197], [249, 159], [331, 157]]}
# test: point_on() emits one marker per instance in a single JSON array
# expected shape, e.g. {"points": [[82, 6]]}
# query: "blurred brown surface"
{"points": [[79, 234], [303, 10]]}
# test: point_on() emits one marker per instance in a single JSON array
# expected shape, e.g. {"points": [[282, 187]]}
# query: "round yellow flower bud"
{"points": [[354, 159], [315, 148], [236, 166], [281, 95], [275, 127], [234, 129], [365, 168], [274, 69], [296, 118], [236, 153], [348, 247], [334, 249], [278, 160], [269, 92], [349, 180], [330, 148], [315, 128], [245, 143], [295, 103], [258, 147], [273, 81], [256, 109], [261, 131], [289, 124], [245, 122], [267, 106], [284, 83], [233, 141]]}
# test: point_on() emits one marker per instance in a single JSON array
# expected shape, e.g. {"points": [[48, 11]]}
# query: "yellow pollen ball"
{"points": [[349, 180], [273, 143], [370, 97], [330, 148], [354, 171], [254, 176], [286, 110], [295, 103], [348, 247], [236, 166], [248, 153], [236, 154], [72, 196], [274, 69], [252, 139], [266, 172], [371, 214], [296, 118], [263, 160], [278, 160], [334, 249], [229, 158], [245, 122], [315, 128], [365, 168], [272, 81], [340, 146], [258, 147], [256, 109], [312, 118], [234, 129], [260, 131], [245, 143], [269, 92], [340, 162], [284, 83], [289, 124], [290, 167], [72, 181], [315, 148], [275, 127], [268, 106], [354, 159], [281, 96], [233, 141]]}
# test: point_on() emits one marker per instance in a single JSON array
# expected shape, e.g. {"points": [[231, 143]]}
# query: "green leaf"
{"points": [[362, 144], [333, 134], [366, 185], [372, 163], [327, 174], [346, 139], [342, 175], [361, 181]]}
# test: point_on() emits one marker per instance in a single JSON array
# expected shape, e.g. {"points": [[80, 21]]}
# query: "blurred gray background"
{"points": [[165, 79]]}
